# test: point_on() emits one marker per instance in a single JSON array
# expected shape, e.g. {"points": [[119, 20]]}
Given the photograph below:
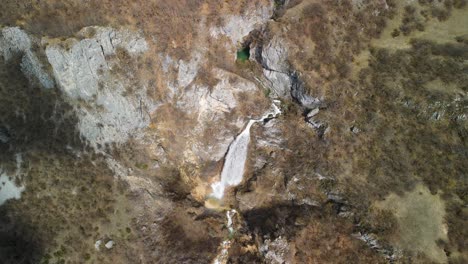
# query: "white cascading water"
{"points": [[234, 163], [233, 172]]}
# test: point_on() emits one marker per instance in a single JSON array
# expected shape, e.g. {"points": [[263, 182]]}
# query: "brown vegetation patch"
{"points": [[185, 235], [314, 235]]}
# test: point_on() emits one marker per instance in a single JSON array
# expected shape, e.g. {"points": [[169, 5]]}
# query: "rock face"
{"points": [[107, 112], [188, 70], [276, 251], [283, 80], [236, 27], [211, 105], [83, 70], [276, 70], [14, 41]]}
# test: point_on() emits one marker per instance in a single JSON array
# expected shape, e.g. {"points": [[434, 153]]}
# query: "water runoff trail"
{"points": [[233, 172]]}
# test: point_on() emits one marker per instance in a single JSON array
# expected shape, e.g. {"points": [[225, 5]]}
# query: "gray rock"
{"points": [[210, 106], [106, 113], [311, 119], [280, 83], [166, 62], [336, 198], [33, 69], [372, 241], [13, 41], [275, 55], [188, 70], [109, 244], [76, 70], [283, 80], [271, 136], [299, 94], [276, 70], [97, 244], [313, 113], [8, 188], [276, 251], [236, 27], [355, 130], [215, 149]]}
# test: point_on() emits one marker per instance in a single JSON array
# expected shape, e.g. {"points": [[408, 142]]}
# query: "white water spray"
{"points": [[234, 163]]}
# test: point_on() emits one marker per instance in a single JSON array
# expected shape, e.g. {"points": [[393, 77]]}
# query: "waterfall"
{"points": [[234, 163]]}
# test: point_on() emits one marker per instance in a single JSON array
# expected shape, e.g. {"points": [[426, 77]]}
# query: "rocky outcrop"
{"points": [[212, 106], [236, 27], [273, 58], [16, 42], [188, 70], [372, 242], [213, 103], [271, 136], [276, 251], [84, 70], [284, 82], [281, 78]]}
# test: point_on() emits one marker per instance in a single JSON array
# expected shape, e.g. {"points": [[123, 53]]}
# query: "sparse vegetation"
{"points": [[411, 21], [330, 58]]}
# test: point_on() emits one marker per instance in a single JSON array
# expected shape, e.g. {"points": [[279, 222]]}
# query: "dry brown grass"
{"points": [[174, 24], [328, 241], [329, 34], [398, 146]]}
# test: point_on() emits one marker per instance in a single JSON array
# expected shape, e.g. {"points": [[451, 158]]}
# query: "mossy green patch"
{"points": [[243, 54], [141, 166]]}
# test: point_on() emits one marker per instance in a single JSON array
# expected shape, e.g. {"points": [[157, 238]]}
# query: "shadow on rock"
{"points": [[277, 220]]}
